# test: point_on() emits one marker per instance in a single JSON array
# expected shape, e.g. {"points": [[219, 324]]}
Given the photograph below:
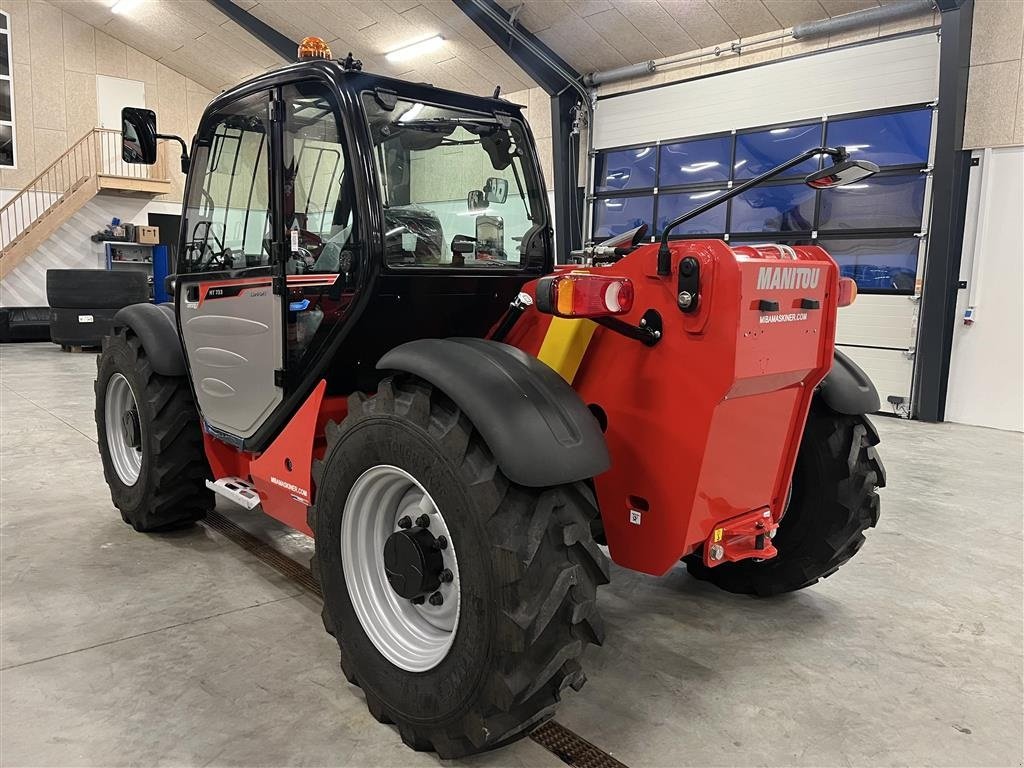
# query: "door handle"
{"points": [[192, 293]]}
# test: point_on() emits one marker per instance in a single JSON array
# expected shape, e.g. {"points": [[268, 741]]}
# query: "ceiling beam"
{"points": [[543, 65], [280, 44]]}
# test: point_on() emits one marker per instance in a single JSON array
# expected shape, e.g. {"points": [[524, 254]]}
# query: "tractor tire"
{"points": [[153, 459], [524, 587], [95, 288], [833, 501]]}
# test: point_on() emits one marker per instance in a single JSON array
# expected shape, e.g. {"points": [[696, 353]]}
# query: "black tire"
{"points": [[833, 502], [80, 327], [528, 567], [95, 288], [170, 491]]}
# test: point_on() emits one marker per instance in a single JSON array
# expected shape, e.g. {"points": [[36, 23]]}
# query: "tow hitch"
{"points": [[745, 536]]}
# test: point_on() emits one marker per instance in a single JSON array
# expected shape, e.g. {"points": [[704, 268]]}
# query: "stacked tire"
{"points": [[83, 303]]}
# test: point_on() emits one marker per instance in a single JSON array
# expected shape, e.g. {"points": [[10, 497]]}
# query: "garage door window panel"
{"points": [[672, 205], [891, 139], [877, 203], [878, 264], [759, 151], [695, 162], [615, 215], [634, 168], [774, 208]]}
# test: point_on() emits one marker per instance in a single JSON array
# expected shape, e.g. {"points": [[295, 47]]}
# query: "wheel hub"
{"points": [[132, 428], [413, 562]]}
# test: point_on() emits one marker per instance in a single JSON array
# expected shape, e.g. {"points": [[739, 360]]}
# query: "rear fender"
{"points": [[847, 389], [538, 428], [157, 329]]}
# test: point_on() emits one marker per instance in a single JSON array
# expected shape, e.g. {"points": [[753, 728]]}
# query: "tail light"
{"points": [[582, 294], [847, 291]]}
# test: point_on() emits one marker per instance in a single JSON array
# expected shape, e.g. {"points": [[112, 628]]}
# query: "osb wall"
{"points": [[995, 93], [56, 59]]}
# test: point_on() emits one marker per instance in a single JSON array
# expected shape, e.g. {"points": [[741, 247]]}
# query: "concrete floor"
{"points": [[119, 648]]}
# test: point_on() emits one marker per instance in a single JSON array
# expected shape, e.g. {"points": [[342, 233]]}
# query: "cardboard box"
{"points": [[147, 235]]}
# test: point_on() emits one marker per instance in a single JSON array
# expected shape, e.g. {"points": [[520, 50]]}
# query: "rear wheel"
{"points": [[460, 601], [149, 439], [832, 503]]}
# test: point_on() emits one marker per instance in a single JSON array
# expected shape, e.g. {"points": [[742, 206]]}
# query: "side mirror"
{"points": [[476, 201], [138, 135], [840, 174], [496, 190]]}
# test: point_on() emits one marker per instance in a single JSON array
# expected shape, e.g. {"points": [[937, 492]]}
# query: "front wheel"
{"points": [[834, 500], [460, 601], [149, 439]]}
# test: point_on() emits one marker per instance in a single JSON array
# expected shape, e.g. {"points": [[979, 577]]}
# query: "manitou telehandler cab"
{"points": [[370, 339]]}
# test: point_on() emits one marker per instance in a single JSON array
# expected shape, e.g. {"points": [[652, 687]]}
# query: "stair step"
{"points": [[237, 490]]}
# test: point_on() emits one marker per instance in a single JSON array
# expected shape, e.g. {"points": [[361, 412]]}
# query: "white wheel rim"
{"points": [[413, 637], [119, 403]]}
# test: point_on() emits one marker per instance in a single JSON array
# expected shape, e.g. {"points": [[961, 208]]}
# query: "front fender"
{"points": [[847, 389], [539, 430], [157, 329]]}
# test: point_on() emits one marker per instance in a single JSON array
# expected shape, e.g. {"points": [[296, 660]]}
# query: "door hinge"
{"points": [[279, 377], [276, 111]]}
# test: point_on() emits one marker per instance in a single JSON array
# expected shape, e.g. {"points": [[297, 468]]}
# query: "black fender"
{"points": [[539, 430], [157, 329], [847, 389]]}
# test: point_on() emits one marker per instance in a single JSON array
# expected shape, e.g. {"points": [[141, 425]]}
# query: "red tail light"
{"points": [[582, 294]]}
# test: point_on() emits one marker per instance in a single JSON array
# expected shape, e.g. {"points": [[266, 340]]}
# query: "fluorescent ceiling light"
{"points": [[698, 167], [413, 49], [123, 6]]}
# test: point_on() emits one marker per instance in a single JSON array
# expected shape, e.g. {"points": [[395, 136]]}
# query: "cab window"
{"points": [[457, 189], [321, 219], [228, 211]]}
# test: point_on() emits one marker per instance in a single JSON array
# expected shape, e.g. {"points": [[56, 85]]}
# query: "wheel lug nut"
{"points": [[436, 599], [423, 521], [442, 542], [446, 576], [404, 522], [418, 600]]}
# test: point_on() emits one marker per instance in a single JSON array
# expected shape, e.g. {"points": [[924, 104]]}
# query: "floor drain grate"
{"points": [[564, 744], [571, 748], [267, 554]]}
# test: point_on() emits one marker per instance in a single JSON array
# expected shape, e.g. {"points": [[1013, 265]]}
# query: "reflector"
{"points": [[847, 291], [583, 294]]}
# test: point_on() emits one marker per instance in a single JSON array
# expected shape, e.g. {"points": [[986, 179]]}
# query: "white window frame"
{"points": [[9, 77]]}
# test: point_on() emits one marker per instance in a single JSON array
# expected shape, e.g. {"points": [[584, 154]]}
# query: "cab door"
{"points": [[230, 317]]}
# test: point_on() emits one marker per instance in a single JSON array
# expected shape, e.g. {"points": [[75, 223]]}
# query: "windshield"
{"points": [[457, 192]]}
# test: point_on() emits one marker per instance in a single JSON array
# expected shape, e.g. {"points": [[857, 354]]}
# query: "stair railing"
{"points": [[97, 153]]}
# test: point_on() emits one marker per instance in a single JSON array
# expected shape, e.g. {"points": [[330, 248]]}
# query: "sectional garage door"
{"points": [[662, 151]]}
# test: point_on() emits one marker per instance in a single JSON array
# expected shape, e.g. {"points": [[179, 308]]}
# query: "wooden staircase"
{"points": [[90, 165]]}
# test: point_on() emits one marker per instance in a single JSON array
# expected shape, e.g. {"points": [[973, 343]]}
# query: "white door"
{"points": [[112, 94]]}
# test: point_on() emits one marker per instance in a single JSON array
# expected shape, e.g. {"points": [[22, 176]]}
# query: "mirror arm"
{"points": [[838, 155], [184, 148]]}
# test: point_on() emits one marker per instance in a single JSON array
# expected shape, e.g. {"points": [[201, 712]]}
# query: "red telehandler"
{"points": [[371, 341]]}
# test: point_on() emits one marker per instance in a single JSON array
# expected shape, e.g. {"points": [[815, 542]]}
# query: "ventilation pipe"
{"points": [[805, 31]]}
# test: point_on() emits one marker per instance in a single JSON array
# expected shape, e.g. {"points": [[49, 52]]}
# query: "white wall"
{"points": [[986, 375], [70, 247]]}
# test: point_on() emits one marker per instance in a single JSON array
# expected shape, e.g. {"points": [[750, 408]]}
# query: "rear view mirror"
{"points": [[496, 190], [840, 174], [476, 201], [138, 135]]}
